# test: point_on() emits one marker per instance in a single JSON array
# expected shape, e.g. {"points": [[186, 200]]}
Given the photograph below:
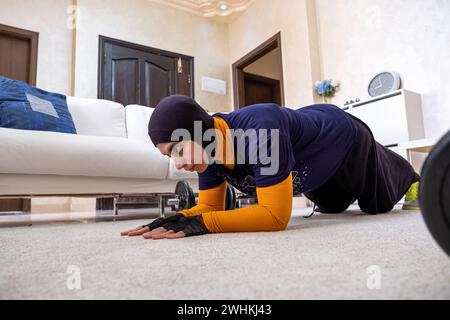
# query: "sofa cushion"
{"points": [[94, 117], [175, 174], [23, 106], [51, 153], [137, 119]]}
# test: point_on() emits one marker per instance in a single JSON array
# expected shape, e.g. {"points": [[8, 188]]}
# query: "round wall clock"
{"points": [[383, 83]]}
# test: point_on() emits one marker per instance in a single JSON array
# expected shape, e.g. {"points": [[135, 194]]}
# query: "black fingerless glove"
{"points": [[162, 221], [191, 226]]}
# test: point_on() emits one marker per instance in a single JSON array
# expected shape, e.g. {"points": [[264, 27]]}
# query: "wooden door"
{"points": [[18, 61], [18, 54], [256, 82], [134, 74], [261, 90]]}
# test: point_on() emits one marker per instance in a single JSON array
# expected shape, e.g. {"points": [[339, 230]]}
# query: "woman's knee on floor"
{"points": [[334, 208], [374, 209], [330, 203]]}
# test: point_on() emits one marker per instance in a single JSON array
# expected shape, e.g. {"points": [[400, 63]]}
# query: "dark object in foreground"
{"points": [[434, 196]]}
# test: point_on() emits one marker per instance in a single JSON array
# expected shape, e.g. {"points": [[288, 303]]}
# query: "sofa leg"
{"points": [[115, 206], [20, 206], [162, 207]]}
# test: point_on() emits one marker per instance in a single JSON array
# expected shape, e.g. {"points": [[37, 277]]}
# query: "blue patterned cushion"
{"points": [[23, 106]]}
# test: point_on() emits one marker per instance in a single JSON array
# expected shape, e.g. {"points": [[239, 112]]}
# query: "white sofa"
{"points": [[111, 154]]}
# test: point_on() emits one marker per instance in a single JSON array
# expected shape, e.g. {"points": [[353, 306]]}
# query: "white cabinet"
{"points": [[394, 118]]}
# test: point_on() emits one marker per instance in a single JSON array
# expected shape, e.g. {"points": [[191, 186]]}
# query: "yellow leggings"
{"points": [[272, 213]]}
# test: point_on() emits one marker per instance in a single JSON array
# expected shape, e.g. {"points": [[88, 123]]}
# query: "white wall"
{"points": [[267, 66], [359, 38], [151, 24], [263, 20], [354, 40], [49, 18]]}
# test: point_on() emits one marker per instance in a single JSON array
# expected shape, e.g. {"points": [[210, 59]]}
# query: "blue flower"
{"points": [[321, 89], [325, 88]]}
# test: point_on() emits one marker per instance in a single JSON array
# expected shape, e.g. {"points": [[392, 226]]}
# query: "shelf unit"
{"points": [[394, 118]]}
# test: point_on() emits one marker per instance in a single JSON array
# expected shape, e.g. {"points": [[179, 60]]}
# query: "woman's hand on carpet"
{"points": [[163, 233], [182, 227], [139, 231]]}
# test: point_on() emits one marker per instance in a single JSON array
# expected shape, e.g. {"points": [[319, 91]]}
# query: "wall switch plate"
{"points": [[214, 85]]}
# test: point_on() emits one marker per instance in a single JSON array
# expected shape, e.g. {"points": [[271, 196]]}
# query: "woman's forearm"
{"points": [[250, 219], [272, 213], [197, 210], [208, 200]]}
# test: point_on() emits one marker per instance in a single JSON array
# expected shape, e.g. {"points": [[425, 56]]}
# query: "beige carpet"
{"points": [[325, 257]]}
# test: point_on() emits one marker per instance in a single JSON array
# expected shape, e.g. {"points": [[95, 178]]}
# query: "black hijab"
{"points": [[177, 112]]}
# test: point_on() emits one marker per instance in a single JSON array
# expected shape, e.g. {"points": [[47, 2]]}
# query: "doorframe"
{"points": [[101, 59], [239, 66], [33, 37]]}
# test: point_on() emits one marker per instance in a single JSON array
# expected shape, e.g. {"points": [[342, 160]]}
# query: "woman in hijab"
{"points": [[272, 153]]}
